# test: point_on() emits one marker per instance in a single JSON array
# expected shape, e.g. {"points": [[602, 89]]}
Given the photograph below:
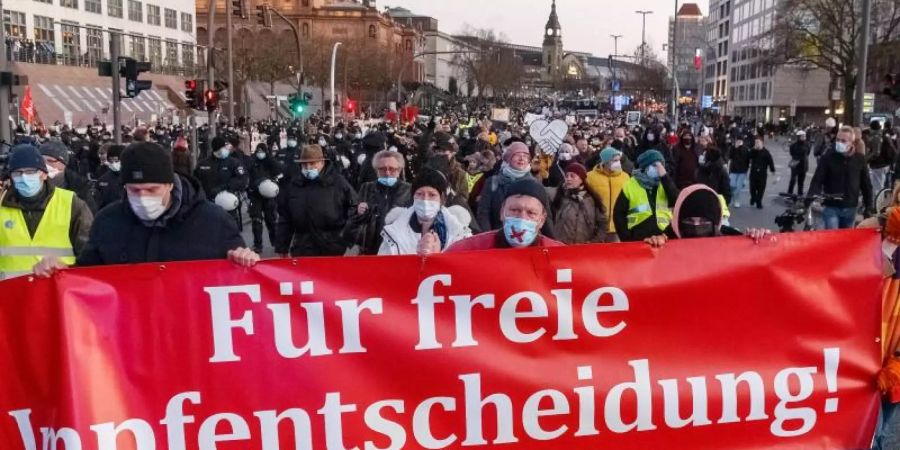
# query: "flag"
{"points": [[26, 109]]}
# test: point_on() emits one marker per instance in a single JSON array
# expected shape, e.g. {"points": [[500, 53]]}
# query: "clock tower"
{"points": [[553, 46]]}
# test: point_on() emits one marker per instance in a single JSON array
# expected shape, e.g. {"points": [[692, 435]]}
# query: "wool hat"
{"points": [[217, 143], [146, 162], [608, 154], [56, 150], [312, 153], [577, 169], [530, 188], [374, 140], [431, 178], [25, 156], [649, 158], [114, 151], [516, 147]]}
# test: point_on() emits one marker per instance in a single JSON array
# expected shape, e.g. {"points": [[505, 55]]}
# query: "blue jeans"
{"points": [[838, 217], [738, 181]]}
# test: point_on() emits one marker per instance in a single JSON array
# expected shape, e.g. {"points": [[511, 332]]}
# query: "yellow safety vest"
{"points": [[639, 208], [473, 179], [19, 252], [726, 213]]}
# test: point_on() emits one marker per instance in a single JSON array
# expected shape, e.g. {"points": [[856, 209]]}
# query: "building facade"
{"points": [[718, 35], [759, 90], [687, 41]]}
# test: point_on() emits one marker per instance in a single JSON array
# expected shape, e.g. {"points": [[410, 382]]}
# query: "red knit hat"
{"points": [[577, 169]]}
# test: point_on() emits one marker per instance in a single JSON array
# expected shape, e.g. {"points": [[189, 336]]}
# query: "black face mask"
{"points": [[690, 229]]}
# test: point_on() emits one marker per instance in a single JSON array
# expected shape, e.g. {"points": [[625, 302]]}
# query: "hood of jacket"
{"points": [[697, 200]]}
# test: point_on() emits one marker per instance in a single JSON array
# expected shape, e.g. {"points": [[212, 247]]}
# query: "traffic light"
{"points": [[131, 70], [264, 15], [239, 8], [190, 91], [351, 106], [211, 99], [297, 103]]}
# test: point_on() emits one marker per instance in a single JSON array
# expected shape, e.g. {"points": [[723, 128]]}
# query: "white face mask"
{"points": [[52, 172], [146, 207], [115, 166], [426, 209], [615, 166]]}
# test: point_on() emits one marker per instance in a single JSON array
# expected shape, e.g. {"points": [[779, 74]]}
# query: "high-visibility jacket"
{"points": [[726, 213], [19, 252], [639, 208]]}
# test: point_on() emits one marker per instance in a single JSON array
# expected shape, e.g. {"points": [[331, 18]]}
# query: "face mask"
{"points": [[52, 172], [615, 166], [338, 136], [652, 172], [358, 136], [291, 143], [387, 181], [511, 172], [322, 142], [565, 156], [426, 209], [28, 185], [260, 156], [650, 137], [116, 166], [841, 147], [702, 159], [519, 232], [147, 208], [311, 174], [223, 153], [690, 229]]}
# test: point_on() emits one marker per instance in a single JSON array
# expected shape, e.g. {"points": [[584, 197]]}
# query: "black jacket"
{"points": [[800, 153], [196, 230], [217, 175], [265, 169], [739, 159], [75, 182], [649, 227], [760, 160], [313, 213], [837, 174], [109, 189], [365, 230], [714, 175]]}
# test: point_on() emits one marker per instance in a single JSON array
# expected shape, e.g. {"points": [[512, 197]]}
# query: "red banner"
{"points": [[704, 344], [26, 110]]}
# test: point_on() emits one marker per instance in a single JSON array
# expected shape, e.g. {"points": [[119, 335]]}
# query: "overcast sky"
{"points": [[586, 24]]}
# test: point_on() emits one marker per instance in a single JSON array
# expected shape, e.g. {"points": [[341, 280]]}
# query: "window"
{"points": [[187, 54], [137, 48], [372, 31], [171, 54], [155, 52], [14, 24], [71, 42], [49, 2], [153, 14], [764, 91], [752, 92], [135, 11], [69, 4], [306, 3], [93, 6], [114, 8], [94, 44], [187, 23], [305, 30], [171, 18], [43, 29]]}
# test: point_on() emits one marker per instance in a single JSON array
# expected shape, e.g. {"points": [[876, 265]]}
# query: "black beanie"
{"points": [[530, 188], [431, 178], [115, 151], [217, 143], [146, 162]]}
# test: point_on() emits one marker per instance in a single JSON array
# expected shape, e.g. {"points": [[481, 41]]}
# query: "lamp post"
{"points": [[333, 60], [643, 33]]}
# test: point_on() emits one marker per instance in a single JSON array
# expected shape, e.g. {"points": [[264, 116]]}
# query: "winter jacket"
{"points": [[365, 230], [217, 175], [492, 196], [496, 240], [262, 170], [33, 211], [760, 160], [109, 189], [400, 238], [578, 218], [686, 162], [607, 187], [847, 176], [714, 175], [192, 229], [75, 182], [647, 228], [313, 213], [739, 159], [800, 156]]}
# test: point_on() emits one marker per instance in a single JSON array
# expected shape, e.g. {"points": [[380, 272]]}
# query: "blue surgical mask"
{"points": [[512, 172], [841, 147], [311, 174], [28, 185], [387, 181], [223, 153], [519, 232], [260, 156], [652, 172]]}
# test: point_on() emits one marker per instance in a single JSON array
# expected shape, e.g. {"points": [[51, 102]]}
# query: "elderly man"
{"points": [[843, 172], [376, 200], [523, 213], [38, 219], [165, 218]]}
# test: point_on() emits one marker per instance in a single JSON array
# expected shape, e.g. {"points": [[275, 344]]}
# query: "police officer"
{"points": [[109, 186], [220, 174], [265, 172]]}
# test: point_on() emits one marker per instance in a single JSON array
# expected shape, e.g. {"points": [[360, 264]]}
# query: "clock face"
{"points": [[550, 32]]}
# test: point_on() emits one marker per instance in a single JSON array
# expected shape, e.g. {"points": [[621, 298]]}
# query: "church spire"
{"points": [[553, 21]]}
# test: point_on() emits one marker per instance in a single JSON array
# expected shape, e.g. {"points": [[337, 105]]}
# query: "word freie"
{"points": [[523, 317]]}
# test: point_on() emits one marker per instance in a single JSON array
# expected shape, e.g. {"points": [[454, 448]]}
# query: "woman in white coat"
{"points": [[428, 227]]}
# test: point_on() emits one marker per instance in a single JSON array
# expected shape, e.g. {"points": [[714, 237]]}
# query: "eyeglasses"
{"points": [[21, 172], [388, 170]]}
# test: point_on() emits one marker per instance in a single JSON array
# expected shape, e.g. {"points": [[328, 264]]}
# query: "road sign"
{"points": [[706, 102], [616, 85], [794, 108], [868, 102]]}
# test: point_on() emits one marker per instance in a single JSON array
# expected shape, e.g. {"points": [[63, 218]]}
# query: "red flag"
{"points": [[27, 107]]}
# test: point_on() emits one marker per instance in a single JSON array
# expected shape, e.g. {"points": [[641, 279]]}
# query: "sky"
{"points": [[586, 24]]}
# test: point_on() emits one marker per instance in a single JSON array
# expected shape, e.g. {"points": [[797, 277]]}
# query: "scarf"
{"points": [[644, 180], [512, 173]]}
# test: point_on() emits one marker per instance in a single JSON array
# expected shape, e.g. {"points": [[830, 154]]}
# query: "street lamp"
{"points": [[643, 32], [615, 43]]}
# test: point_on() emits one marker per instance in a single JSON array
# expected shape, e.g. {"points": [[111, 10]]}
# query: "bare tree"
{"points": [[826, 34], [493, 65]]}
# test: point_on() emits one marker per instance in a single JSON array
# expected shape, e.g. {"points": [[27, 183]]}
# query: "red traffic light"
{"points": [[351, 106], [190, 85], [211, 95]]}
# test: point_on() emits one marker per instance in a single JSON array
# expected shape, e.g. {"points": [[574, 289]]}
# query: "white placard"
{"points": [[548, 135]]}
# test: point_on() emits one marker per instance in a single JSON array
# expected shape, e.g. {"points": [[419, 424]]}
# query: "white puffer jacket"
{"points": [[398, 238]]}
